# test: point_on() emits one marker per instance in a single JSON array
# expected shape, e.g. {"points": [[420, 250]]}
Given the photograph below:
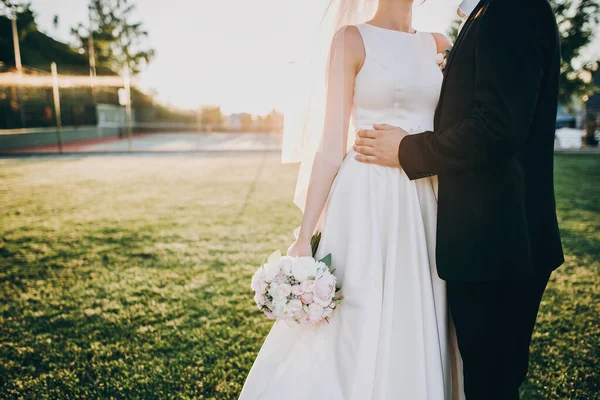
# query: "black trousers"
{"points": [[494, 322]]}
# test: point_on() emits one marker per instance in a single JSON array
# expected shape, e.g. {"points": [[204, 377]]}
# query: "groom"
{"points": [[492, 149]]}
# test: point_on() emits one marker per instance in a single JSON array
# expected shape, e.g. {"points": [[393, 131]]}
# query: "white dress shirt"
{"points": [[467, 7]]}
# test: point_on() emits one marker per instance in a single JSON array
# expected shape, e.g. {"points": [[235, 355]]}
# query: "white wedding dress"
{"points": [[391, 338]]}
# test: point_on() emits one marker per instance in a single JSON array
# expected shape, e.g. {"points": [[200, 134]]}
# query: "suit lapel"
{"points": [[461, 35], [464, 30]]}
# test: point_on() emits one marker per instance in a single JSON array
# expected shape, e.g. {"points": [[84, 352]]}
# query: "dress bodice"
{"points": [[399, 83]]}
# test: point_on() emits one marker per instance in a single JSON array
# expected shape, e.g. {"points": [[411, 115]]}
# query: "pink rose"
{"points": [[299, 315], [307, 286], [316, 312], [324, 291], [305, 320], [270, 315], [307, 298]]}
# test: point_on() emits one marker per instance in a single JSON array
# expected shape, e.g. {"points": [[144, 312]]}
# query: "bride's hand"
{"points": [[300, 248]]}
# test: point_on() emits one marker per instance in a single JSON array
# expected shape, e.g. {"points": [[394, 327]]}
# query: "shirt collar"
{"points": [[467, 7]]}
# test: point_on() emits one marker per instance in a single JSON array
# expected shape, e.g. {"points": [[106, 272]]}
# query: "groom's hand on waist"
{"points": [[379, 145]]}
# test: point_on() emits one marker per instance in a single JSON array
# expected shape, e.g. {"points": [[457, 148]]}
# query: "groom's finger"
{"points": [[367, 151], [365, 142], [383, 127], [366, 159], [366, 133]]}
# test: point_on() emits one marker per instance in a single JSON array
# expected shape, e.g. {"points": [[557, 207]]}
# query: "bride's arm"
{"points": [[346, 58]]}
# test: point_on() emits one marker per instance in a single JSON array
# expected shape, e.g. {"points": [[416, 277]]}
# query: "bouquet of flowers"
{"points": [[442, 58], [300, 290]]}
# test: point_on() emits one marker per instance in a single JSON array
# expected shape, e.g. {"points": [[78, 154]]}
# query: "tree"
{"points": [[211, 116], [454, 28], [117, 40], [6, 7], [577, 21], [273, 122], [22, 11], [246, 122]]}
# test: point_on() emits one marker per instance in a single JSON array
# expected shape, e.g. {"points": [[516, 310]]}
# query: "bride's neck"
{"points": [[394, 14]]}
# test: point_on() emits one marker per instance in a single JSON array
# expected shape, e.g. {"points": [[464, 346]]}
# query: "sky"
{"points": [[232, 53]]}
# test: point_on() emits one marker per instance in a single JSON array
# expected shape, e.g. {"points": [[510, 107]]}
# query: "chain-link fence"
{"points": [[63, 109], [46, 108]]}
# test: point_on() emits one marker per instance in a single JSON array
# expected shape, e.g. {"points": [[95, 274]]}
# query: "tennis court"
{"points": [[170, 142]]}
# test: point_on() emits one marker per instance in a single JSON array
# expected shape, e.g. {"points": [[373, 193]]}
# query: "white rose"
{"points": [[283, 290], [316, 312], [307, 286], [287, 262], [273, 288], [296, 290], [294, 306], [271, 270], [329, 278], [439, 58], [279, 307], [292, 323], [327, 312], [303, 268], [258, 281], [260, 300], [321, 269]]}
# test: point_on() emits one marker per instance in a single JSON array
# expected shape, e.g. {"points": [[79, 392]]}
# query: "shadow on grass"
{"points": [[112, 311]]}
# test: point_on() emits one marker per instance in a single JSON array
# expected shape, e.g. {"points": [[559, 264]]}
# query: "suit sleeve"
{"points": [[510, 59]]}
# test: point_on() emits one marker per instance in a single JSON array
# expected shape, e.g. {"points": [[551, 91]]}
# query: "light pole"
{"points": [[57, 112], [18, 64], [92, 55], [15, 33], [127, 84]]}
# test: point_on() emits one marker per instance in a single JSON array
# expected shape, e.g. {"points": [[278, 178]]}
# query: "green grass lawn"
{"points": [[128, 278]]}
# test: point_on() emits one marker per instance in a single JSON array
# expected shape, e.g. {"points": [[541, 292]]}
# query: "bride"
{"points": [[391, 338]]}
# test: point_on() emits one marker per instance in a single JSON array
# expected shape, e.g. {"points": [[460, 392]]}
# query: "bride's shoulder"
{"points": [[349, 37], [349, 40], [442, 42]]}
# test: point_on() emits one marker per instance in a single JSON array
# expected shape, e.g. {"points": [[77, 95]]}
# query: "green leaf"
{"points": [[314, 242], [326, 260], [338, 300]]}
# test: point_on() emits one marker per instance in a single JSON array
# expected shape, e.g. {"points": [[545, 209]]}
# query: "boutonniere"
{"points": [[448, 51], [442, 58]]}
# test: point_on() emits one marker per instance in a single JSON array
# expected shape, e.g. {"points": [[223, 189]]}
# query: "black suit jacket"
{"points": [[493, 144]]}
